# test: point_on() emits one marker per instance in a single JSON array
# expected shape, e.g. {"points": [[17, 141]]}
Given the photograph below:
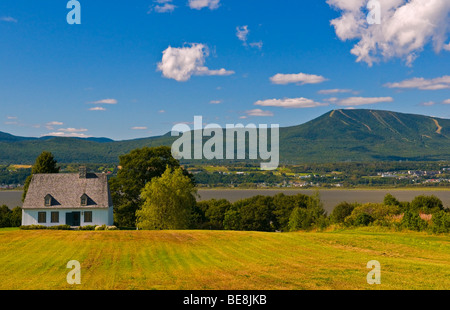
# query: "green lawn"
{"points": [[222, 260]]}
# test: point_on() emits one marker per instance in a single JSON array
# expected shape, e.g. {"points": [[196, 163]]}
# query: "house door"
{"points": [[69, 218], [76, 218], [73, 218]]}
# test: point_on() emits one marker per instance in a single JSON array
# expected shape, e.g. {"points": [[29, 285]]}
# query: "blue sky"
{"points": [[135, 70]]}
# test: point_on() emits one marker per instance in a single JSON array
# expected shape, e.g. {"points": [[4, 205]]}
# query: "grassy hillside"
{"points": [[222, 260], [337, 136]]}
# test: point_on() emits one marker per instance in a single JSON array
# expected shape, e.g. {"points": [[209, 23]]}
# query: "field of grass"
{"points": [[222, 260]]}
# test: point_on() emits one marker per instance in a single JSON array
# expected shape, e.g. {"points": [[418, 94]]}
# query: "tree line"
{"points": [[153, 191]]}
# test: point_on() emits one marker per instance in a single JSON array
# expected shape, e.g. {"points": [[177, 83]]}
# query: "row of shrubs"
{"points": [[302, 212], [424, 213], [67, 227]]}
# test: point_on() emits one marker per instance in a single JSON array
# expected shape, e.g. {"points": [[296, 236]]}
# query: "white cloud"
{"points": [[423, 84], [406, 27], [163, 6], [242, 33], [258, 112], [67, 135], [200, 4], [11, 117], [105, 101], [356, 101], [55, 123], [8, 19], [428, 103], [215, 102], [300, 78], [258, 45], [97, 109], [335, 91], [69, 132], [290, 103], [139, 128], [161, 111], [50, 125], [446, 101], [182, 63], [72, 130]]}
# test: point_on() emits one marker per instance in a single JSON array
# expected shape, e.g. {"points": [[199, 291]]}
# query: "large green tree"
{"points": [[137, 168], [168, 202], [45, 163]]}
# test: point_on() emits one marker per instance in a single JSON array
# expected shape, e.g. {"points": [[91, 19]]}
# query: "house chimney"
{"points": [[83, 172]]}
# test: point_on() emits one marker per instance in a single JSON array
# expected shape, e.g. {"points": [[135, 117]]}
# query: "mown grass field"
{"points": [[222, 260]]}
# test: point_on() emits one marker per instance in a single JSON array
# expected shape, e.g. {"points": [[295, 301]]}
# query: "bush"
{"points": [[341, 211], [363, 219], [111, 228], [37, 227], [60, 227], [213, 212], [32, 227], [440, 222], [390, 200], [411, 220], [87, 227], [232, 220], [283, 207], [102, 227], [313, 216], [426, 204], [380, 214]]}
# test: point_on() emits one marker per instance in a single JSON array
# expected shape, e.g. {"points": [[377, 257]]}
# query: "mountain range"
{"points": [[357, 135]]}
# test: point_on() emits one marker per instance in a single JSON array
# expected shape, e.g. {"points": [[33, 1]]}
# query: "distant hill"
{"points": [[337, 136]]}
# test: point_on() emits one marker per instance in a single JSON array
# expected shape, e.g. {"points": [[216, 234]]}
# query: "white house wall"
{"points": [[99, 216]]}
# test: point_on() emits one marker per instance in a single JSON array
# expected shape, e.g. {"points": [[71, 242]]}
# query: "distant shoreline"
{"points": [[328, 189]]}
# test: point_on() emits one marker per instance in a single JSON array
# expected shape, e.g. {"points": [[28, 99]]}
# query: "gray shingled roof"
{"points": [[66, 190]]}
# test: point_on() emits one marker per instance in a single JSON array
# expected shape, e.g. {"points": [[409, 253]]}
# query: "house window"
{"points": [[42, 217], [84, 200], [88, 216], [55, 217], [48, 200]]}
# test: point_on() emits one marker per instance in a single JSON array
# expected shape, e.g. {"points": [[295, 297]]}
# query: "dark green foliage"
{"points": [[138, 168], [60, 227], [341, 211], [45, 163], [10, 218], [213, 212], [440, 222], [33, 227], [390, 200], [283, 207], [313, 216], [41, 227], [411, 220], [363, 219], [232, 220], [427, 204], [5, 216], [256, 213], [16, 217], [87, 227]]}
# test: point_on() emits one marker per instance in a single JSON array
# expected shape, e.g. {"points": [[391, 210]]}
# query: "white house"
{"points": [[75, 199]]}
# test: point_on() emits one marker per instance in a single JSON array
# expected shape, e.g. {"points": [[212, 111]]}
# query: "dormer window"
{"points": [[48, 200], [84, 200]]}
